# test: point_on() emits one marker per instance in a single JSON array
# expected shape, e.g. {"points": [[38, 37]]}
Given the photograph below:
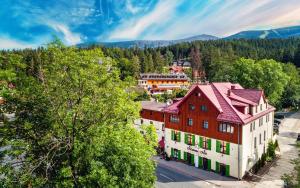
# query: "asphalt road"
{"points": [[167, 178]]}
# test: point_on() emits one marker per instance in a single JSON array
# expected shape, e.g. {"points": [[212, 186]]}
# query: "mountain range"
{"points": [[282, 33]]}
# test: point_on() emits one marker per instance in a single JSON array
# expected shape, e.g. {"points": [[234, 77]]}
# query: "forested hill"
{"points": [[279, 33], [285, 32], [282, 50], [148, 43]]}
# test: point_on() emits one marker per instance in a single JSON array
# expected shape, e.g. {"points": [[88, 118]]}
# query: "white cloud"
{"points": [[223, 18], [6, 43], [132, 9], [69, 37], [132, 29]]}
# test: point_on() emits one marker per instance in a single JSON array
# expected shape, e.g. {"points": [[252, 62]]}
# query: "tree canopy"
{"points": [[73, 123]]}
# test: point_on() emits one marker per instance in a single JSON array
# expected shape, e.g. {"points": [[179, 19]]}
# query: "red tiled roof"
{"points": [[237, 103], [224, 96], [253, 95]]}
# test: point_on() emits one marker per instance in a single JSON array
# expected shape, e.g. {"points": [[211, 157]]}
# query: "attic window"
{"points": [[197, 94]]}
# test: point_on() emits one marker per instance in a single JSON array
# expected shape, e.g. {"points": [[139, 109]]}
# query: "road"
{"points": [[288, 132], [167, 177]]}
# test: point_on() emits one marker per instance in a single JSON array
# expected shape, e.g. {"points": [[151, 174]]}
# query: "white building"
{"points": [[220, 127]]}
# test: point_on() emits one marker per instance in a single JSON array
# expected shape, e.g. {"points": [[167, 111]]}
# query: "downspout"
{"points": [[239, 152]]}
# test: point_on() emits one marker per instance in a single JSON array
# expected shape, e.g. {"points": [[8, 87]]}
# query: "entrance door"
{"points": [[205, 163], [222, 169], [189, 158]]}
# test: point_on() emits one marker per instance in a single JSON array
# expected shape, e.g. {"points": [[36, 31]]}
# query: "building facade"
{"points": [[158, 83], [220, 127], [152, 113]]}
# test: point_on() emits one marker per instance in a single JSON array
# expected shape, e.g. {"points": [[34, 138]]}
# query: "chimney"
{"points": [[228, 92], [232, 86]]}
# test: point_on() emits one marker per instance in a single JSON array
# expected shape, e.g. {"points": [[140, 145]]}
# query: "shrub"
{"points": [[263, 159], [271, 150]]}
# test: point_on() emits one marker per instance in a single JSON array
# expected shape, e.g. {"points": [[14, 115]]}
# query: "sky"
{"points": [[32, 23]]}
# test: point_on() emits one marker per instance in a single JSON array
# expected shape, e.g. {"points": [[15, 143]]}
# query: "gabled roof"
{"points": [[206, 90], [225, 96]]}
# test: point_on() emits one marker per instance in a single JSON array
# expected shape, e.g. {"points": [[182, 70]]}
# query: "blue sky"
{"points": [[30, 23]]}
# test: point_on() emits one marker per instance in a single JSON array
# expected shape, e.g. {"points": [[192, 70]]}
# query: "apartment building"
{"points": [[220, 127]]}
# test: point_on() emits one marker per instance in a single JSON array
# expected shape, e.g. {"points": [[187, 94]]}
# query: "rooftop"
{"points": [[153, 105], [225, 96], [155, 76]]}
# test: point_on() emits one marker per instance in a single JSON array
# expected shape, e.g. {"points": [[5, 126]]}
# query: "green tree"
{"points": [[74, 128], [158, 62], [265, 74], [291, 94], [150, 135], [149, 66], [169, 57]]}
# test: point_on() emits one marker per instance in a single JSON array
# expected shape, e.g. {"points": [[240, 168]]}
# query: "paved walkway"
{"points": [[288, 132]]}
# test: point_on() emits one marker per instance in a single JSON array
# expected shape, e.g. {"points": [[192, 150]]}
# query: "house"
{"points": [[152, 113], [159, 83], [176, 69], [220, 127]]}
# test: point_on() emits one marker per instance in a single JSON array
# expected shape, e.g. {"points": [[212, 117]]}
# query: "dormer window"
{"points": [[226, 128]]}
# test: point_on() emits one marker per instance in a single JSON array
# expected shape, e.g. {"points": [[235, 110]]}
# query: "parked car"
{"points": [[277, 121], [298, 137], [279, 116]]}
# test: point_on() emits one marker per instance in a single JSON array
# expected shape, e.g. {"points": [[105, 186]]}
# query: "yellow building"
{"points": [[156, 83]]}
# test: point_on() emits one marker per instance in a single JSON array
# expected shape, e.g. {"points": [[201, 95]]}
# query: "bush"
{"points": [[263, 159], [271, 150]]}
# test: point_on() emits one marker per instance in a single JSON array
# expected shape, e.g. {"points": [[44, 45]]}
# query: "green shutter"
{"points": [[200, 162], [185, 138], [185, 156], [179, 136], [172, 134], [193, 159], [228, 148], [218, 145], [227, 170], [208, 164], [193, 140], [217, 167], [179, 154], [200, 142], [209, 144], [172, 152]]}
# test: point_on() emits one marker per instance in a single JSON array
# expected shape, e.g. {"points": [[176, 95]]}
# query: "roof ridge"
{"points": [[228, 102]]}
